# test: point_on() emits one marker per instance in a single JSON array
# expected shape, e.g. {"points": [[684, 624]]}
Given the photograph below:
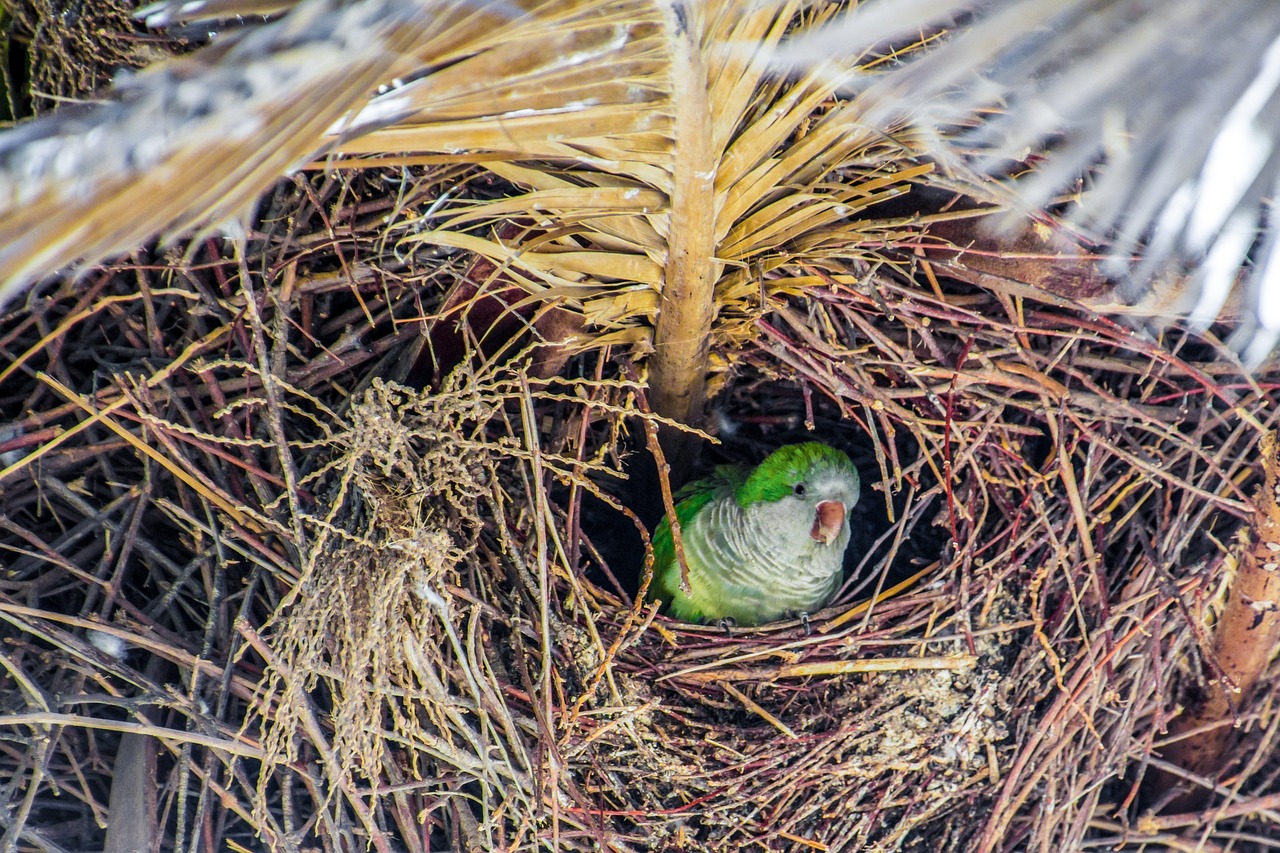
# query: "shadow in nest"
{"points": [[892, 537]]}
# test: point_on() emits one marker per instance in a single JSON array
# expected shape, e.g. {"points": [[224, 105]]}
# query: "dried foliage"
{"points": [[402, 602], [666, 162], [60, 52], [1144, 105], [301, 550]]}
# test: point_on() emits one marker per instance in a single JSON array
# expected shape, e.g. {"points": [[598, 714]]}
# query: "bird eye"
{"points": [[800, 489]]}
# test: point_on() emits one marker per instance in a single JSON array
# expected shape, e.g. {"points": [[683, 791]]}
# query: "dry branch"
{"points": [[1245, 640]]}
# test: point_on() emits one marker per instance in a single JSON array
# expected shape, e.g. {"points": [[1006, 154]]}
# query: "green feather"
{"points": [[689, 502], [774, 478]]}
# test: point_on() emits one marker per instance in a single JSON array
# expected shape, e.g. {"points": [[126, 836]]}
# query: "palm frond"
{"points": [[665, 162]]}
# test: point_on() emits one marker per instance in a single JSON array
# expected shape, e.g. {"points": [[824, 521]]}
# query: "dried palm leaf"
{"points": [[663, 216], [667, 167], [1177, 105]]}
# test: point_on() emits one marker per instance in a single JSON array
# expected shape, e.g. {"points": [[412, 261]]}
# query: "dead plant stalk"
{"points": [[1245, 638], [683, 331]]}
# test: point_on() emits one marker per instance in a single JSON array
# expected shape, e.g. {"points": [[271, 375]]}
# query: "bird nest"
{"points": [[281, 584]]}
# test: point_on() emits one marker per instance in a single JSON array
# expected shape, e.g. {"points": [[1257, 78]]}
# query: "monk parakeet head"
{"points": [[806, 487]]}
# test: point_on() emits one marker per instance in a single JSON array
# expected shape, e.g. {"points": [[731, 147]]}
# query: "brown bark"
{"points": [[1245, 639]]}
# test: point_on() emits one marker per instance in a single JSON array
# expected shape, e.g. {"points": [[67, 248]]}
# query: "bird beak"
{"points": [[827, 522]]}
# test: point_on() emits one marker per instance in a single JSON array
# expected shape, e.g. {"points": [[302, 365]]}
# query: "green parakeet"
{"points": [[761, 543]]}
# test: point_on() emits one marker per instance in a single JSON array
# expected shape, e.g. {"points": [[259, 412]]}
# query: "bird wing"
{"points": [[690, 500]]}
